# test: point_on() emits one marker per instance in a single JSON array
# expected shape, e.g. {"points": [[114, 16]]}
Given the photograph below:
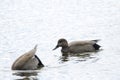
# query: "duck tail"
{"points": [[35, 46], [96, 46], [40, 64]]}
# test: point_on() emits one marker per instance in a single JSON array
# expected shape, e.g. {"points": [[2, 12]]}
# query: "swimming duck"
{"points": [[28, 61], [77, 46]]}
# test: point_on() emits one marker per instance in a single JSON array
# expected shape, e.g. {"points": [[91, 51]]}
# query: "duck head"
{"points": [[61, 43]]}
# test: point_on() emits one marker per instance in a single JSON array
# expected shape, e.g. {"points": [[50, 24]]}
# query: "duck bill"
{"points": [[56, 47]]}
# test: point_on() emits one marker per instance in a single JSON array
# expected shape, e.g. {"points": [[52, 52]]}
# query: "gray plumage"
{"points": [[77, 46], [27, 61]]}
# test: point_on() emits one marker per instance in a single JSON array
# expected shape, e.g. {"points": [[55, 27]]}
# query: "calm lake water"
{"points": [[25, 23]]}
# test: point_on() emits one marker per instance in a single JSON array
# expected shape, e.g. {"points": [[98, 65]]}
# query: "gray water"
{"points": [[25, 23]]}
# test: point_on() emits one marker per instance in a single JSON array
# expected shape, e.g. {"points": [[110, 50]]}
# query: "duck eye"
{"points": [[60, 41]]}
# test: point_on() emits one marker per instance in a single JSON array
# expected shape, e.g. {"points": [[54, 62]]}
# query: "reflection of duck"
{"points": [[28, 61], [77, 46], [26, 73]]}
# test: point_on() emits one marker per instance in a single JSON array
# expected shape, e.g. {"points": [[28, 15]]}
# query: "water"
{"points": [[23, 24]]}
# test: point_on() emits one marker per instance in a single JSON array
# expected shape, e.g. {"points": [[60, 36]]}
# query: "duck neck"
{"points": [[65, 54], [65, 50]]}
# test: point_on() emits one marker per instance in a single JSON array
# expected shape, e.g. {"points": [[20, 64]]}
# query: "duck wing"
{"points": [[23, 59], [82, 43]]}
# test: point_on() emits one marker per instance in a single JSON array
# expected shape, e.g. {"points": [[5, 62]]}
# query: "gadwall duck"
{"points": [[28, 61], [77, 46]]}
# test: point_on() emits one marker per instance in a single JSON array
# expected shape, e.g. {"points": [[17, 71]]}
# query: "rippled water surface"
{"points": [[25, 23]]}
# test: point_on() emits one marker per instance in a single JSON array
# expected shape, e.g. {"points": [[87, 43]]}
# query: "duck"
{"points": [[28, 61], [77, 46]]}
